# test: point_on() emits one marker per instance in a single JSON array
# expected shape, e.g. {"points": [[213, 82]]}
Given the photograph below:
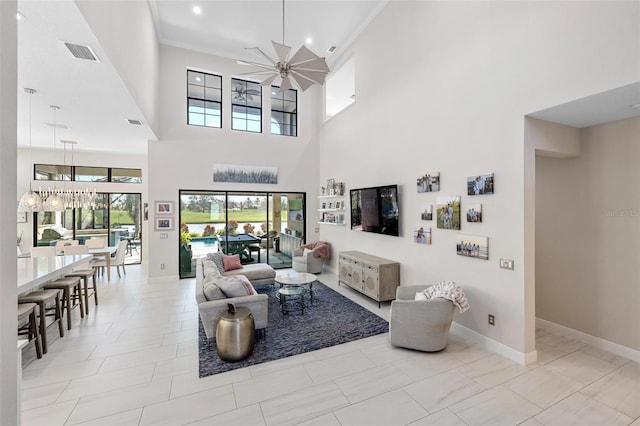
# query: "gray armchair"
{"points": [[419, 324], [308, 262]]}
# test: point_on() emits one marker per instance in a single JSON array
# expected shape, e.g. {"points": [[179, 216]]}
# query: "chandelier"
{"points": [[305, 68], [30, 201], [72, 198]]}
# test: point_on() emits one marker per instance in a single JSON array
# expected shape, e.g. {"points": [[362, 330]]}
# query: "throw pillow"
{"points": [[217, 259], [231, 262], [211, 290], [235, 286], [209, 268], [421, 296]]}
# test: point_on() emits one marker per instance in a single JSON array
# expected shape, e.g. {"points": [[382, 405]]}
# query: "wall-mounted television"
{"points": [[375, 209]]}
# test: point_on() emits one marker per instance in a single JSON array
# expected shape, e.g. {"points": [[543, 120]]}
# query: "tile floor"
{"points": [[133, 361]]}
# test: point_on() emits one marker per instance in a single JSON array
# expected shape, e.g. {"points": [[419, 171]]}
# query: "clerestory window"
{"points": [[204, 99], [284, 112], [246, 105]]}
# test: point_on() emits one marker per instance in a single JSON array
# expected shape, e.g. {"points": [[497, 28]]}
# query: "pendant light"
{"points": [[54, 202], [30, 201]]}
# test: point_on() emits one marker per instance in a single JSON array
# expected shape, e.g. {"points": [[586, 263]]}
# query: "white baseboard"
{"points": [[597, 342], [497, 347]]}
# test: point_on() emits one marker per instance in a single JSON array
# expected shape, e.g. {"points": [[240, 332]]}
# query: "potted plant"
{"points": [[185, 249]]}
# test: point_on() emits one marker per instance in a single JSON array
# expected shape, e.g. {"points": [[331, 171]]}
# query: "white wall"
{"points": [[588, 280], [184, 156], [9, 397], [27, 158], [127, 34], [444, 86]]}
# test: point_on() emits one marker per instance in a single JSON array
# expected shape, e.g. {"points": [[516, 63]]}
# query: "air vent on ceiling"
{"points": [[134, 122], [331, 49], [82, 51]]}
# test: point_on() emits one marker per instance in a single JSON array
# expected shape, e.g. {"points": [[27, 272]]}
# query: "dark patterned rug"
{"points": [[331, 320]]}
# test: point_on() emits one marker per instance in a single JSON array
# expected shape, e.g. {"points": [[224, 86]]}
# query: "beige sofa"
{"points": [[210, 308]]}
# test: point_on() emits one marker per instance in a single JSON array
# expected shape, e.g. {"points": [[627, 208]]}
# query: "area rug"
{"points": [[331, 320]]}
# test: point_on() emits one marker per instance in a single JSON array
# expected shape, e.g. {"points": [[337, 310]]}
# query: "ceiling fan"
{"points": [[304, 68], [242, 94]]}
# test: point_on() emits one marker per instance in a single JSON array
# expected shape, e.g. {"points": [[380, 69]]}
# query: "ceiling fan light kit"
{"points": [[304, 68]]}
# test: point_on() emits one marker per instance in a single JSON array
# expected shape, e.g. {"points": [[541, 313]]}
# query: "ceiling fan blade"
{"points": [[286, 84], [281, 50], [303, 55], [270, 80], [317, 64], [259, 53], [264, 72], [304, 83], [256, 64], [315, 76]]}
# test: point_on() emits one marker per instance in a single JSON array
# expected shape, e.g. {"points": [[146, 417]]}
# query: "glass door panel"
{"points": [[125, 224], [202, 218], [52, 226], [246, 224], [287, 220], [93, 223]]}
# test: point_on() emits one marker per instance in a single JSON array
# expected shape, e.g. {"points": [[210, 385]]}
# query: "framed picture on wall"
{"points": [[164, 207], [163, 223], [480, 184]]}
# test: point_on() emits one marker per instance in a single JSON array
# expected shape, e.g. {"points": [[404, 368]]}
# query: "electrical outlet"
{"points": [[162, 266], [506, 264], [492, 319]]}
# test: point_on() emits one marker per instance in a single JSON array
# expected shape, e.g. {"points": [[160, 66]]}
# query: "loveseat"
{"points": [[212, 300]]}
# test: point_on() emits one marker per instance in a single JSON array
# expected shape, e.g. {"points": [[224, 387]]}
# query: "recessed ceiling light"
{"points": [[197, 10], [309, 40], [20, 16]]}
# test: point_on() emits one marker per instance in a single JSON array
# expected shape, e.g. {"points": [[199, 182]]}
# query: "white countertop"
{"points": [[35, 271]]}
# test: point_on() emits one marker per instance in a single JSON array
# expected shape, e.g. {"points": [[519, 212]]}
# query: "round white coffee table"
{"points": [[297, 279]]}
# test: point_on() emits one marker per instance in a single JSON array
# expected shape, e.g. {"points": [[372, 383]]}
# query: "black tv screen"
{"points": [[375, 210]]}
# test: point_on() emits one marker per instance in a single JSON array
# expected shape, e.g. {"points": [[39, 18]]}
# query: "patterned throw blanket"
{"points": [[320, 249], [448, 290]]}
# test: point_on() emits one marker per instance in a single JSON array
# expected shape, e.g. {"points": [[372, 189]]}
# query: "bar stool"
{"points": [[84, 274], [42, 298], [30, 329], [88, 291], [71, 292]]}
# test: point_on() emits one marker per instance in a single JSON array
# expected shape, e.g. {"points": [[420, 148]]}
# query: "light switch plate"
{"points": [[506, 264], [164, 236]]}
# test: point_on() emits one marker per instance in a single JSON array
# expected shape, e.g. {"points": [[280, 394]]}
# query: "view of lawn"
{"points": [[120, 217], [244, 216]]}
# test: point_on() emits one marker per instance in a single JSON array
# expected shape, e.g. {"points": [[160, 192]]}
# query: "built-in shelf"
{"points": [[332, 210]]}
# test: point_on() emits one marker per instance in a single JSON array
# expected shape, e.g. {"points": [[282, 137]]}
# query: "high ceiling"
{"points": [[95, 104], [93, 100]]}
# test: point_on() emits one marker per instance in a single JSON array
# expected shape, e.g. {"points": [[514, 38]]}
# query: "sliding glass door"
{"points": [[260, 227]]}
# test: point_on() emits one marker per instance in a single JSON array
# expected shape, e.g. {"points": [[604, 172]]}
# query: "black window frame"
{"points": [[244, 106], [278, 96], [207, 99]]}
